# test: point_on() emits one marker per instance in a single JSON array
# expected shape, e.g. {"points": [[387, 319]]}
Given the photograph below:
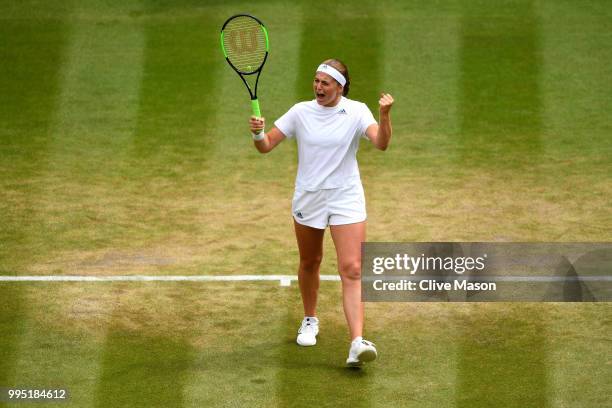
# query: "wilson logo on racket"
{"points": [[248, 40], [244, 42]]}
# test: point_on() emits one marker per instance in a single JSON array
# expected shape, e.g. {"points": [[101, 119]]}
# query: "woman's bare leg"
{"points": [[310, 245], [348, 239]]}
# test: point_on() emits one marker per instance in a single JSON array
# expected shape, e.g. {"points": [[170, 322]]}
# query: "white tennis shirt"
{"points": [[328, 140]]}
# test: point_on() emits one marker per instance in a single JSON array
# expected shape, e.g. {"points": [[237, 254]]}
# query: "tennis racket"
{"points": [[244, 41]]}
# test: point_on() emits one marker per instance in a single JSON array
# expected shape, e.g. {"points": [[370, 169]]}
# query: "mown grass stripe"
{"points": [[177, 98], [93, 129], [140, 370], [31, 51], [502, 360], [358, 42], [503, 363], [500, 98]]}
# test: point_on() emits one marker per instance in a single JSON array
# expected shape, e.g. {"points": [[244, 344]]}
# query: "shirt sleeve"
{"points": [[286, 123], [366, 120]]}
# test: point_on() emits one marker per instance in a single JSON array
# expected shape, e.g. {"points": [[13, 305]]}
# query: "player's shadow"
{"points": [[320, 357], [322, 369]]}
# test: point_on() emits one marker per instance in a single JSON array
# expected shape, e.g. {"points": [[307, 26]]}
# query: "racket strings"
{"points": [[245, 44]]}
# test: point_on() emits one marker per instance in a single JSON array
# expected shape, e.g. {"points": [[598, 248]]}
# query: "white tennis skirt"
{"points": [[334, 206]]}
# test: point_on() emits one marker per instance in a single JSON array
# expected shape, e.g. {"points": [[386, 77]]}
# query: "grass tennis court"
{"points": [[124, 149]]}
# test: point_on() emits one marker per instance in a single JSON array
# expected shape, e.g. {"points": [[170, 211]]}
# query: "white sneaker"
{"points": [[362, 351], [307, 335]]}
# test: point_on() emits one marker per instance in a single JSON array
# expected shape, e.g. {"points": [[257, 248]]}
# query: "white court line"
{"points": [[285, 280]]}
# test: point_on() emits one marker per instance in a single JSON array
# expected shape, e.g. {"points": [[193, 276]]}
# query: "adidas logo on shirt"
{"points": [[342, 112]]}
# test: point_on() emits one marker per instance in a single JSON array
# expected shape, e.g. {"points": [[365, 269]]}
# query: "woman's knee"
{"points": [[350, 270], [310, 263]]}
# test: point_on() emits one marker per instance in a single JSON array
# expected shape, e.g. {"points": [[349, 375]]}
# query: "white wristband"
{"points": [[258, 136]]}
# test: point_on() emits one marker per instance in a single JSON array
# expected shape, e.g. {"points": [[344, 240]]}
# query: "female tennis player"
{"points": [[328, 191]]}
